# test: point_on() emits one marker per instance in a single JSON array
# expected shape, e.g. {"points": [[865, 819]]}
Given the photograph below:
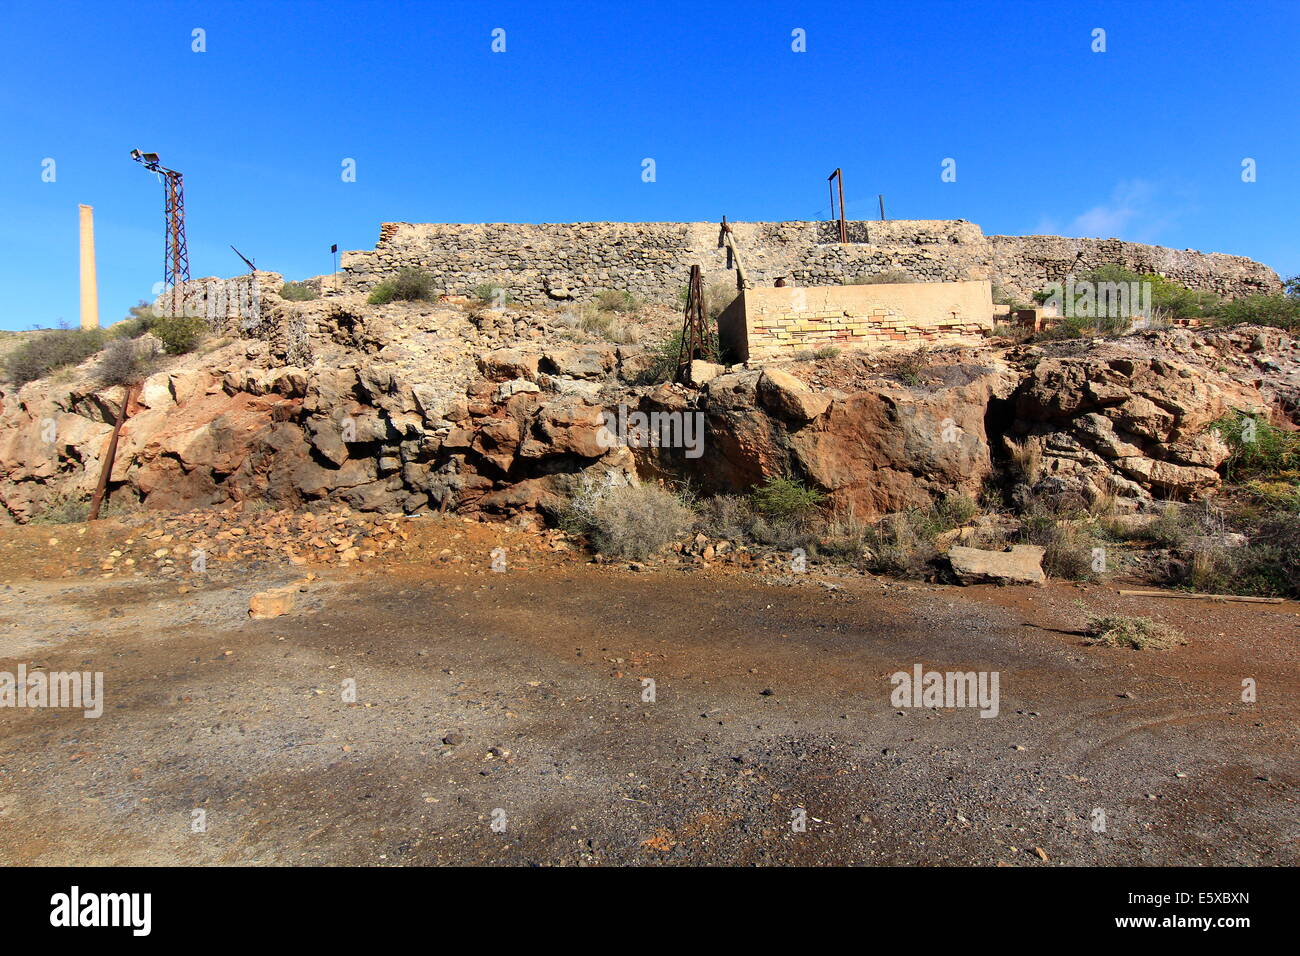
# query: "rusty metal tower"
{"points": [[176, 254], [695, 331]]}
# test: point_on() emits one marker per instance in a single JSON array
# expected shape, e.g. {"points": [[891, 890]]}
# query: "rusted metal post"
{"points": [[844, 232], [98, 499], [831, 181]]}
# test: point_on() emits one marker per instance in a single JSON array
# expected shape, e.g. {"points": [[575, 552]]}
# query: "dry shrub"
{"points": [[1139, 633], [725, 516], [1027, 457], [63, 510], [885, 277], [898, 547], [1068, 549], [298, 292], [125, 362], [409, 285], [616, 300], [905, 543], [626, 521], [846, 536], [53, 349], [912, 366]]}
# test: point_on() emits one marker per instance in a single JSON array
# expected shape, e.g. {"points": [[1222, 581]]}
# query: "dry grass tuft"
{"points": [[1138, 633]]}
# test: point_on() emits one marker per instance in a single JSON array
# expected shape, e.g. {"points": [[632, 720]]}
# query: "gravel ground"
{"points": [[500, 719]]}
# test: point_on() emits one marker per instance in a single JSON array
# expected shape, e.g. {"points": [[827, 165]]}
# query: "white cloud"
{"points": [[1134, 212]]}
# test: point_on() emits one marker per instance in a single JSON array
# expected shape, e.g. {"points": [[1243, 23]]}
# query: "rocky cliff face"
{"points": [[449, 407]]}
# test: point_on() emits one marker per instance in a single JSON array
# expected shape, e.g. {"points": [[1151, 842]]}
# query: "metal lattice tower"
{"points": [[176, 253]]}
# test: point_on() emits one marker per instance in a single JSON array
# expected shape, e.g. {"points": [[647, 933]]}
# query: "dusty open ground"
{"points": [[772, 695]]}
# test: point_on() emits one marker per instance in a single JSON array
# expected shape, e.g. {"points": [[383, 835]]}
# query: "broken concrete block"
{"points": [[700, 373]]}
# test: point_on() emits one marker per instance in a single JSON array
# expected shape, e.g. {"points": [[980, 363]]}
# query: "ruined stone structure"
{"points": [[562, 261], [766, 322]]}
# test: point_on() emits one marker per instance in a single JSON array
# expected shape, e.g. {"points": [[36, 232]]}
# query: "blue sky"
{"points": [[1144, 141]]}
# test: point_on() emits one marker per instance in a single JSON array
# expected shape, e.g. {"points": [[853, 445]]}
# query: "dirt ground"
{"points": [[499, 716]]}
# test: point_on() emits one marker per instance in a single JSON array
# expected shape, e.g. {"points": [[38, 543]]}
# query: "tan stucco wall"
{"points": [[792, 319]]}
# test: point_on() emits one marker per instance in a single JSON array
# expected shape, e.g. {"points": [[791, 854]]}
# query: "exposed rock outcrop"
{"points": [[445, 406]]}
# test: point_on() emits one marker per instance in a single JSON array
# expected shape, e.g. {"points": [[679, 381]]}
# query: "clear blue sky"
{"points": [[1144, 141]]}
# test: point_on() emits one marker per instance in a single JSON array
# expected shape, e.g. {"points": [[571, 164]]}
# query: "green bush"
{"points": [[785, 498], [1168, 298], [1279, 311], [180, 333], [911, 366], [409, 285], [1257, 449], [1177, 301], [298, 292], [493, 293], [50, 350], [141, 320]]}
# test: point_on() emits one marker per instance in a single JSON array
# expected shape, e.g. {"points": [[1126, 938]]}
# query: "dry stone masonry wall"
{"points": [[562, 261]]}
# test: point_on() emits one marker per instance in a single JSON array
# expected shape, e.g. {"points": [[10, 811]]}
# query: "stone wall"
{"points": [[563, 261], [229, 305]]}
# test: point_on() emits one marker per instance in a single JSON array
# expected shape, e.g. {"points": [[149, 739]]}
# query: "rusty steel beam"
{"points": [[104, 472]]}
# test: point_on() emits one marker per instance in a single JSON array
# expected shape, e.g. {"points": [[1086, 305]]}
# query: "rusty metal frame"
{"points": [[176, 253], [695, 332], [832, 180]]}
